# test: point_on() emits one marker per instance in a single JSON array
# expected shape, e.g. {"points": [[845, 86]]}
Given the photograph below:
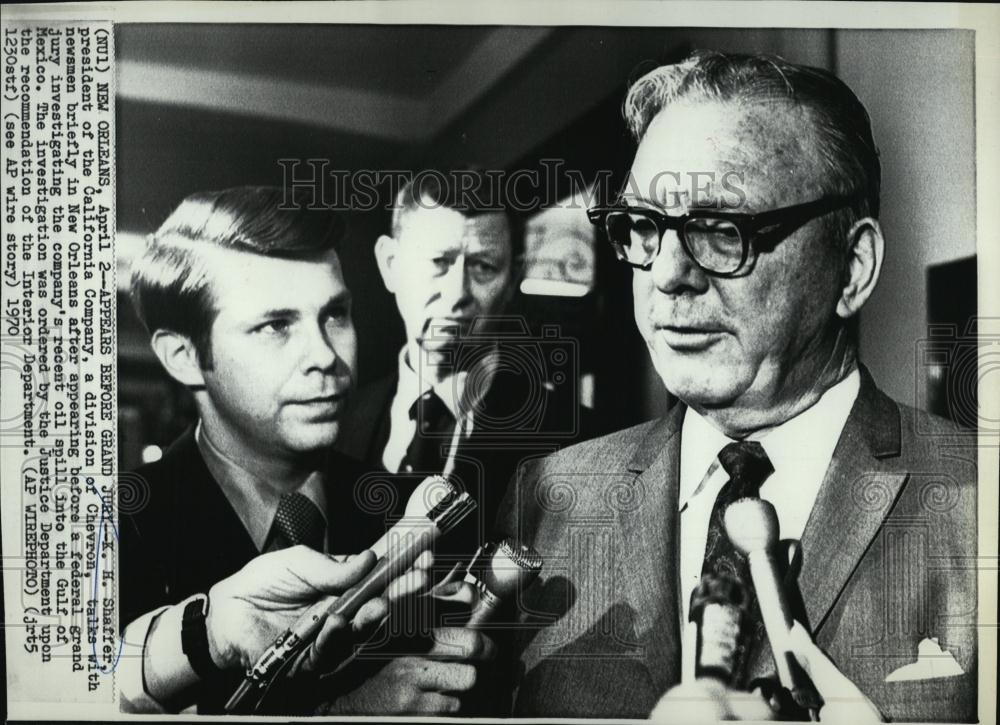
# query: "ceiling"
{"points": [[212, 105], [403, 60], [401, 83]]}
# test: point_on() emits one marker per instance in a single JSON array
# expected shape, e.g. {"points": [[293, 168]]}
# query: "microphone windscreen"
{"points": [[508, 567], [428, 494], [512, 567], [719, 605], [751, 524]]}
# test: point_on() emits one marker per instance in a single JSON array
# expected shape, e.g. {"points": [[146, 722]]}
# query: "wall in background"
{"points": [[918, 87], [505, 98]]}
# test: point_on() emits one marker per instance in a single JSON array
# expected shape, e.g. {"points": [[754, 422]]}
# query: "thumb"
{"points": [[816, 664], [844, 701]]}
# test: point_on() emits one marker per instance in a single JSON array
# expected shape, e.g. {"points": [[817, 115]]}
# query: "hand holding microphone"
{"points": [[712, 652], [843, 701], [499, 572], [443, 507], [442, 677]]}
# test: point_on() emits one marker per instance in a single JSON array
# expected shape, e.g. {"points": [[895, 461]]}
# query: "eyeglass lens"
{"points": [[714, 243]]}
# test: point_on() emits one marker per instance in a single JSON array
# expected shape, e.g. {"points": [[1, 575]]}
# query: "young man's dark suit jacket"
{"points": [[489, 458], [889, 561], [179, 534]]}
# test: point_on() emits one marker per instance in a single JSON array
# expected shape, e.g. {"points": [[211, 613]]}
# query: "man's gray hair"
{"points": [[841, 123]]}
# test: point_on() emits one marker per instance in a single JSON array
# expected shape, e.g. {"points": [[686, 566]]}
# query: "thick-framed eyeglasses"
{"points": [[723, 244]]}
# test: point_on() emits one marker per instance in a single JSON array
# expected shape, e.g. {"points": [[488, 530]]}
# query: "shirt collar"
{"points": [[253, 498], [700, 444], [808, 439], [411, 386]]}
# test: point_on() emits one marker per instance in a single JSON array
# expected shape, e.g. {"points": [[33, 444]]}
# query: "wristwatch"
{"points": [[194, 638]]}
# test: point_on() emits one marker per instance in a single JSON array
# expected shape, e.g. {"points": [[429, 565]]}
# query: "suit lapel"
{"points": [[208, 537], [857, 493], [365, 430], [647, 565]]}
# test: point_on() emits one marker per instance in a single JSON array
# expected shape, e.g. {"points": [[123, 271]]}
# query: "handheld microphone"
{"points": [[498, 572], [752, 527], [446, 507], [719, 606], [423, 499], [713, 652]]}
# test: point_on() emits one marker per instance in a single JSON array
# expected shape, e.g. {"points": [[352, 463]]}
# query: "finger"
{"points": [[844, 701], [456, 573], [369, 617], [445, 589], [320, 572], [749, 706], [444, 676], [330, 643], [461, 645], [432, 703], [817, 665], [425, 560], [457, 592], [409, 584]]}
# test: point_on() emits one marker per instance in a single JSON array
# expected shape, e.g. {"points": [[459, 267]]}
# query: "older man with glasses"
{"points": [[750, 221]]}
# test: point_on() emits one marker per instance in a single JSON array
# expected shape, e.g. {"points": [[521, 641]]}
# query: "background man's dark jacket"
{"points": [[521, 422]]}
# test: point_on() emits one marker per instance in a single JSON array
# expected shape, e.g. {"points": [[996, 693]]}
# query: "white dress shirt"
{"points": [[410, 387], [800, 450]]}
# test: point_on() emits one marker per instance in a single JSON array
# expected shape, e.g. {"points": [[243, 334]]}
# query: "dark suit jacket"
{"points": [[521, 423], [180, 535], [888, 561]]}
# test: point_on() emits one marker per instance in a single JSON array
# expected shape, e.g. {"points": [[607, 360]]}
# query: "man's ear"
{"points": [[179, 357], [865, 252], [385, 255]]}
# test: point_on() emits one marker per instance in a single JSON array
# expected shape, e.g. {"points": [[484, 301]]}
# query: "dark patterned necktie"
{"points": [[435, 425], [748, 467], [299, 521]]}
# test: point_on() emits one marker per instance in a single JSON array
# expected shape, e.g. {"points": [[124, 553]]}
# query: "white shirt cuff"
{"points": [[131, 683]]}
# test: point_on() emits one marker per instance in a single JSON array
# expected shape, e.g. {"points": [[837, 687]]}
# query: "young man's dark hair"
{"points": [[170, 280]]}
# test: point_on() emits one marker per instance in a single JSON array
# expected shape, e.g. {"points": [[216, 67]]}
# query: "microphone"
{"points": [[752, 526], [498, 572], [719, 606], [713, 651], [424, 498], [402, 544]]}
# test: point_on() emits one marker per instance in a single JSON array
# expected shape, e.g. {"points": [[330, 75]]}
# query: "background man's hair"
{"points": [[170, 282], [469, 191], [842, 125]]}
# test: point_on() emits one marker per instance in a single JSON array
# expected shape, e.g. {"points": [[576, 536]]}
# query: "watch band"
{"points": [[194, 638]]}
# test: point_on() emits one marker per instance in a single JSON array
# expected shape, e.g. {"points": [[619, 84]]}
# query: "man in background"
{"points": [[461, 398], [243, 296], [750, 221]]}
